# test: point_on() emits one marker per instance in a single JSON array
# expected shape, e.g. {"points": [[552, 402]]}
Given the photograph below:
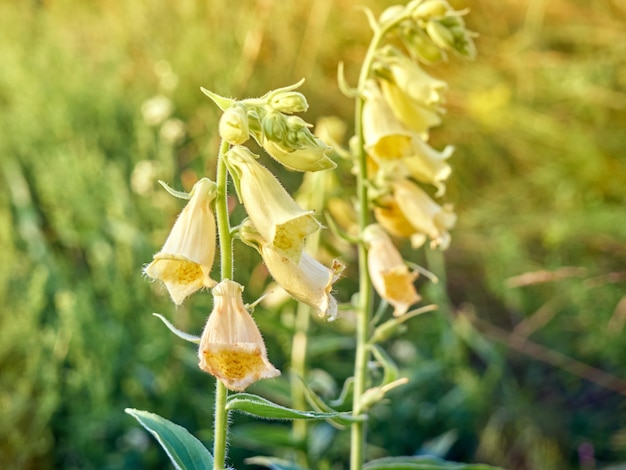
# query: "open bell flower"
{"points": [[427, 218], [307, 281], [277, 217], [385, 137], [390, 276], [415, 116], [231, 346], [185, 261], [426, 164]]}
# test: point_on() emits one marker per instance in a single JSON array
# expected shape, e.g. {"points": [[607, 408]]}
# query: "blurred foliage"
{"points": [[539, 183]]}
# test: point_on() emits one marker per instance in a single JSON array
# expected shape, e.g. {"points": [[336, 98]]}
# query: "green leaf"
{"points": [[258, 406], [273, 463], [422, 463], [184, 450]]}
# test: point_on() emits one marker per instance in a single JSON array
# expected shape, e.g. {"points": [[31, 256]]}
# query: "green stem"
{"points": [[298, 365], [220, 424], [365, 307]]}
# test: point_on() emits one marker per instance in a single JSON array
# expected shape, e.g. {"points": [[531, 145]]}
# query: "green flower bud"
{"points": [[289, 102], [274, 126], [430, 9], [440, 34], [420, 46], [233, 126]]}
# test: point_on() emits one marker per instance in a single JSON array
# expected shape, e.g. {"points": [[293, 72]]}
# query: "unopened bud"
{"points": [[274, 126], [289, 102], [233, 126], [391, 13], [431, 9], [440, 34]]}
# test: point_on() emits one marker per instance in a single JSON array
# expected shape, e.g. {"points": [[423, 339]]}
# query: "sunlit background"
{"points": [[525, 369]]}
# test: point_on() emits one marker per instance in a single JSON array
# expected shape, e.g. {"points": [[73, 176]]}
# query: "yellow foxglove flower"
{"points": [[390, 276], [391, 218], [429, 165], [308, 281], [412, 80], [231, 347], [185, 261], [413, 114], [277, 217], [384, 135], [426, 216]]}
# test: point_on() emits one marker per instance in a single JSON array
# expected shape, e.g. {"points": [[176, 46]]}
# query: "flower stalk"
{"points": [[220, 417]]}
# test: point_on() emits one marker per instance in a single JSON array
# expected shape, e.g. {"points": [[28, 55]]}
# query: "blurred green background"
{"points": [[526, 366]]}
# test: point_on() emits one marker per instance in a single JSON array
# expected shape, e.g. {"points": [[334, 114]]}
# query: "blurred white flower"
{"points": [[156, 110]]}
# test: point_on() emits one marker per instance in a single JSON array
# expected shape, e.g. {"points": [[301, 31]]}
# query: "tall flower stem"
{"points": [[365, 306], [220, 424]]}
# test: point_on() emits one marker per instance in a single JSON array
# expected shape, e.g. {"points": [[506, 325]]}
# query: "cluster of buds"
{"points": [[401, 104], [231, 346], [270, 121]]}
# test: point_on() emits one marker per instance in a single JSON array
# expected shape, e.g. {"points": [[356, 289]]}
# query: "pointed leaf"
{"points": [[422, 463], [273, 463], [258, 406], [184, 450]]}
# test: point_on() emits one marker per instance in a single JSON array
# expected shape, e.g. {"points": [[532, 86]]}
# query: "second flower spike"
{"points": [[185, 261]]}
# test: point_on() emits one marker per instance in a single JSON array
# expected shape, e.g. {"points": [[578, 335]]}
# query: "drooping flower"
{"points": [[384, 135], [427, 218], [231, 346], [425, 164], [185, 261], [390, 276], [277, 217], [308, 281]]}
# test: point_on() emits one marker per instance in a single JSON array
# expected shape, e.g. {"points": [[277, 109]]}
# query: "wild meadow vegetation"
{"points": [[522, 365]]}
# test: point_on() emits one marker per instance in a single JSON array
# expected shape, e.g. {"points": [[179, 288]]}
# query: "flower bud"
{"points": [[274, 126], [185, 261], [440, 34], [391, 13], [233, 126], [289, 102], [420, 46], [430, 9], [231, 346]]}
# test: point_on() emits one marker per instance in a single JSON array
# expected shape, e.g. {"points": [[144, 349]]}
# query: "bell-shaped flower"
{"points": [[425, 216], [231, 346], [185, 261], [426, 165], [390, 276], [385, 137], [308, 281], [415, 116], [277, 217], [429, 165], [291, 143], [411, 80], [391, 218]]}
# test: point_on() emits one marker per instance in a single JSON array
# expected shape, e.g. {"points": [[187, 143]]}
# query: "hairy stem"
{"points": [[220, 423], [365, 306]]}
